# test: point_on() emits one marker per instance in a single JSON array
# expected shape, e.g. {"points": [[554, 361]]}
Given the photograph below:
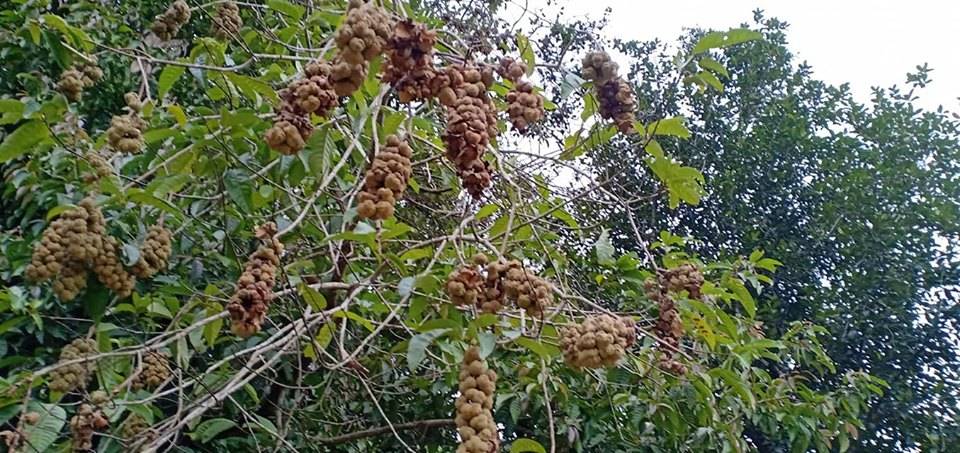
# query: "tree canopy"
{"points": [[405, 226]]}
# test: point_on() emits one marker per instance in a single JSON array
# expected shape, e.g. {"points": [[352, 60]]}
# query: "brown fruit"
{"points": [[226, 21], [248, 305], [168, 24], [600, 341], [385, 180], [154, 253], [70, 377], [474, 417]]}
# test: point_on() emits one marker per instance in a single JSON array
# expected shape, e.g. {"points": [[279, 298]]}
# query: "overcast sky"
{"points": [[865, 43]]}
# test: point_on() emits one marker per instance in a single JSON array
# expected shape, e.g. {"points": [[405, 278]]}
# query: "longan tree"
{"points": [[327, 226]]}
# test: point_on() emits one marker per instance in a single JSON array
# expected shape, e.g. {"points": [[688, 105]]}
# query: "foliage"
{"points": [[361, 350]]}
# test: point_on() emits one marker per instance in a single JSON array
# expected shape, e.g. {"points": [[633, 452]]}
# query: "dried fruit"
{"points": [[248, 305], [409, 62], [363, 33], [511, 69], [669, 328], [88, 419], [600, 341], [599, 67], [347, 77], [168, 24], [471, 125], [70, 377], [136, 432], [226, 21], [474, 414], [684, 278], [154, 253], [155, 371], [386, 180], [615, 101], [110, 271], [289, 133], [71, 84], [99, 166], [69, 244]]}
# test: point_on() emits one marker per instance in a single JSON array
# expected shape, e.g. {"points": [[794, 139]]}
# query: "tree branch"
{"points": [[420, 424]]}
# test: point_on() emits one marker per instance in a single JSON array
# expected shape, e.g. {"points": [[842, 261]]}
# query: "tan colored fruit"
{"points": [[74, 376], [524, 106], [71, 84], [155, 371], [669, 327], [135, 433], [168, 24], [471, 125], [600, 341], [248, 305], [385, 180], [598, 67], [474, 415], [154, 253], [289, 132], [615, 101], [409, 61], [88, 420], [226, 21], [511, 69], [363, 34]]}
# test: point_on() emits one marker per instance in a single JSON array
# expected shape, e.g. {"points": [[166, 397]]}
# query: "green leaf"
{"points": [[40, 436], [710, 64], [544, 350], [57, 210], [284, 7], [178, 114], [417, 349], [487, 211], [708, 41], [526, 445], [239, 189], [672, 126], [250, 87], [736, 384], [740, 35], [12, 111], [169, 76], [711, 80], [313, 297], [743, 295], [23, 139], [604, 249], [211, 331], [566, 217], [526, 53], [417, 254], [210, 429], [488, 341]]}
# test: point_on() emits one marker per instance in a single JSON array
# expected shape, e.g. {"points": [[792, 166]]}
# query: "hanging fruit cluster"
{"points": [[361, 37], [154, 253], [524, 104], [155, 371], [168, 24], [505, 281], [125, 133], [312, 94], [614, 95], [84, 74], [226, 21], [408, 66], [669, 328], [248, 305], [100, 167], [386, 180], [74, 376], [471, 126], [685, 277], [88, 419], [136, 431], [474, 418], [600, 341]]}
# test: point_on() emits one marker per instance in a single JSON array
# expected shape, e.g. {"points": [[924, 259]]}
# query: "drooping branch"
{"points": [[420, 424]]}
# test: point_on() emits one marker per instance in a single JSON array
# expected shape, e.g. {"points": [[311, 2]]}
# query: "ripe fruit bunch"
{"points": [[156, 370], [386, 180], [226, 20], [125, 133], [135, 432], [614, 95], [168, 24], [466, 285], [361, 37], [471, 126], [669, 328], [524, 104], [409, 61], [600, 341], [474, 417], [248, 305], [154, 253], [314, 93], [684, 278], [88, 419], [74, 376], [84, 74]]}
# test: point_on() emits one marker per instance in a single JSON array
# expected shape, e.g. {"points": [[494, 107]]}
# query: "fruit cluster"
{"points": [[361, 37], [386, 180], [614, 95], [600, 341], [312, 94], [524, 104], [226, 21], [168, 24], [489, 286], [409, 61], [74, 376], [135, 432], [685, 277], [155, 371], [154, 253], [125, 133], [88, 419], [78, 77], [471, 126], [669, 328], [474, 418], [248, 305]]}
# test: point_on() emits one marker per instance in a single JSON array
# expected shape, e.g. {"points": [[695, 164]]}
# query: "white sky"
{"points": [[865, 43]]}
